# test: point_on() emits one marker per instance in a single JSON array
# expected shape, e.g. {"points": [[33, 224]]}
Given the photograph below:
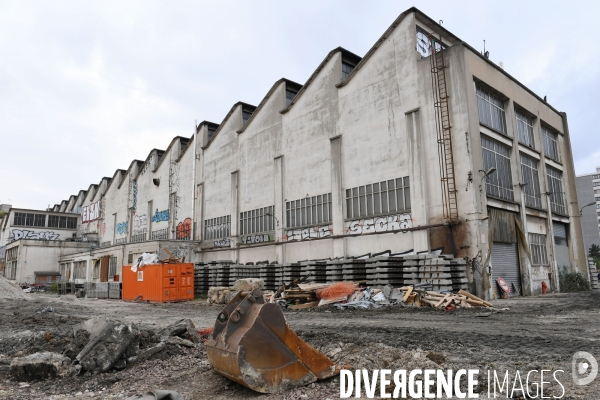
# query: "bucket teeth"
{"points": [[252, 344]]}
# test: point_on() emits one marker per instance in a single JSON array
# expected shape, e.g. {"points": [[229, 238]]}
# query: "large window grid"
{"points": [[57, 221], [537, 247], [531, 180], [257, 221], [159, 234], [26, 219], [313, 210], [378, 198], [550, 143], [140, 236], [525, 129], [491, 110], [498, 183], [557, 199], [217, 228]]}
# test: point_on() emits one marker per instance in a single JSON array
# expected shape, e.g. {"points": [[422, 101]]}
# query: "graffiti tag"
{"points": [[122, 228], [184, 229], [380, 224], [25, 234], [314, 232], [160, 216], [90, 213], [140, 222], [223, 243], [257, 239]]}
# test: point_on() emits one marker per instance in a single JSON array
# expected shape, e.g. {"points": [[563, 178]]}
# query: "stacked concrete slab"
{"points": [[201, 284], [593, 274]]}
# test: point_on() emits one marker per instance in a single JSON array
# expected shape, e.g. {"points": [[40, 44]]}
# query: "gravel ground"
{"points": [[535, 333]]}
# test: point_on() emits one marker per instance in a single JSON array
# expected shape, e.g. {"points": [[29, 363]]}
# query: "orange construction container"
{"points": [[159, 282]]}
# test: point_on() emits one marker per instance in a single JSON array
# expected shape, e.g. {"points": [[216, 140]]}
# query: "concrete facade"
{"points": [[588, 192], [280, 181]]}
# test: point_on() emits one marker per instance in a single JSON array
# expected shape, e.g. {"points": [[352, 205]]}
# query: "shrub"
{"points": [[573, 281]]}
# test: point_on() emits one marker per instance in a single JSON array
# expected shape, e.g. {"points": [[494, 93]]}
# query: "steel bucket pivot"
{"points": [[253, 345]]}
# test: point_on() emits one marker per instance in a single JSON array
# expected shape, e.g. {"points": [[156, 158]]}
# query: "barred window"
{"points": [[491, 110], [26, 219], [596, 177], [596, 184], [257, 221], [529, 167], [308, 211], [112, 267], [537, 246], [378, 198], [217, 228], [139, 236], [550, 143], [557, 200], [499, 183], [289, 96], [525, 129], [159, 234], [246, 114], [57, 221]]}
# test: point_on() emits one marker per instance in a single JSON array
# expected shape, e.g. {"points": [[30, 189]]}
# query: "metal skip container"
{"points": [[253, 345]]}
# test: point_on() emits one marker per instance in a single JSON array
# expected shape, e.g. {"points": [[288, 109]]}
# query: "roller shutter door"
{"points": [[561, 245], [505, 264]]}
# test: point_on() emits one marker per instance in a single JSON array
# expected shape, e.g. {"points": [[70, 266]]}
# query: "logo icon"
{"points": [[585, 368]]}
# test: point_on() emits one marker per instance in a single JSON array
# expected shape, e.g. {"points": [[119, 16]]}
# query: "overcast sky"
{"points": [[86, 87]]}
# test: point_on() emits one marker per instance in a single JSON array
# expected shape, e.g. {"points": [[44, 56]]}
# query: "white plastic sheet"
{"points": [[145, 259]]}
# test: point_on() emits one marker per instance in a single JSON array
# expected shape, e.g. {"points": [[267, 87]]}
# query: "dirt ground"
{"points": [[535, 333]]}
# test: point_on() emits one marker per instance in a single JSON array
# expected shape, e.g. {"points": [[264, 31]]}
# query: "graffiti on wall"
{"points": [[2, 252], [122, 228], [379, 224], [103, 228], [90, 212], [178, 252], [134, 190], [223, 243], [250, 239], [184, 229], [174, 181], [26, 234], [314, 232], [140, 222], [160, 216]]}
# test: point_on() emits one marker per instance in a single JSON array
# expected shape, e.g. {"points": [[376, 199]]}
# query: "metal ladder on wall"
{"points": [[444, 130]]}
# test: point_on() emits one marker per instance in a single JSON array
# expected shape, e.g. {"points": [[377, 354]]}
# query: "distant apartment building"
{"points": [[588, 193], [423, 144]]}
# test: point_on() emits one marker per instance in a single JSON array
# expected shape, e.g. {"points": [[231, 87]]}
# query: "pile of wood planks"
{"points": [[424, 298]]}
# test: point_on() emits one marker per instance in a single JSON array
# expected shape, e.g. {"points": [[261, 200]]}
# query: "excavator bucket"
{"points": [[253, 345]]}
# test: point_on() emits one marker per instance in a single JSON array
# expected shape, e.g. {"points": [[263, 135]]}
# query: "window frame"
{"points": [[368, 201], [532, 191], [550, 140], [538, 249], [319, 211], [495, 179], [29, 219], [554, 180], [482, 102], [223, 231], [524, 123], [257, 221]]}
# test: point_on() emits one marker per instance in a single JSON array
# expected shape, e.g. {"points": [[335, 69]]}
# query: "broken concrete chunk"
{"points": [[183, 328], [111, 344], [93, 325], [147, 353], [248, 284], [41, 366]]}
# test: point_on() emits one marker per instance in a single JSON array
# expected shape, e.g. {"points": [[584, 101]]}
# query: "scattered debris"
{"points": [[41, 366], [183, 328], [158, 395]]}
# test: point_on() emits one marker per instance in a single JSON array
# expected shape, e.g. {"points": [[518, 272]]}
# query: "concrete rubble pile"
{"points": [[101, 345], [224, 294]]}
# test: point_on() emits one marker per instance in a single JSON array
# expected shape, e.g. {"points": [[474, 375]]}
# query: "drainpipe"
{"points": [[193, 233]]}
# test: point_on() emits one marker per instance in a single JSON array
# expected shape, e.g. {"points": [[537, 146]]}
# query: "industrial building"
{"points": [[588, 193], [423, 144]]}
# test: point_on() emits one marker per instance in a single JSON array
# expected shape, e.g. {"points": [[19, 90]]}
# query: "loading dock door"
{"points": [[561, 245], [505, 264]]}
